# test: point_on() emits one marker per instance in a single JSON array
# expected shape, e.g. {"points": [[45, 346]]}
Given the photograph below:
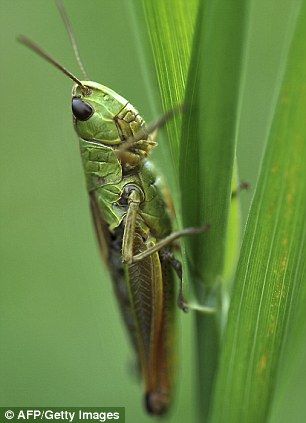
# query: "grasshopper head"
{"points": [[95, 111], [100, 114]]}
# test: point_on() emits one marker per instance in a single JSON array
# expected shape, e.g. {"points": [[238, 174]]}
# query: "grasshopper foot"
{"points": [[182, 303], [241, 187]]}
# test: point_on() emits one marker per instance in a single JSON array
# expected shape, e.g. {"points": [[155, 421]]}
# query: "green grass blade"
{"points": [[268, 37], [207, 162], [289, 397], [164, 35], [209, 130], [171, 26], [233, 235], [270, 267]]}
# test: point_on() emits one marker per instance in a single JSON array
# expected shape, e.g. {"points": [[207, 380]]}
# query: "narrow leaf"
{"points": [[171, 27], [209, 130], [270, 266], [289, 397], [207, 162]]}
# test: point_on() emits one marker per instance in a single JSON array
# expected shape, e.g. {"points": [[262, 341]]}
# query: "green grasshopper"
{"points": [[131, 220]]}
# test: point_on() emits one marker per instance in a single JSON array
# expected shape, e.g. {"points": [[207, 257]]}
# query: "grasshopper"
{"points": [[131, 220]]}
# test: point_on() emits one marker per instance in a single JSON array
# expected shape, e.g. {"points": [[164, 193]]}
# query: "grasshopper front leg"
{"points": [[168, 240], [134, 200], [129, 231]]}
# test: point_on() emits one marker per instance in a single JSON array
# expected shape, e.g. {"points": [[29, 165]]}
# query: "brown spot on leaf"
{"points": [[262, 363]]}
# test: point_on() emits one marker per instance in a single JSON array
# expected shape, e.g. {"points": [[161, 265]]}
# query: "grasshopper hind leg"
{"points": [[168, 256]]}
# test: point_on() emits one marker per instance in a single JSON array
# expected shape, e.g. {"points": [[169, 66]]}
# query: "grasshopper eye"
{"points": [[80, 109]]}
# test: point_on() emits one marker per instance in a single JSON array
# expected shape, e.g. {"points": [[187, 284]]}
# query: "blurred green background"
{"points": [[62, 342]]}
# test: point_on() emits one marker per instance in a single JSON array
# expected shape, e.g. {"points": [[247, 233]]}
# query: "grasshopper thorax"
{"points": [[102, 116]]}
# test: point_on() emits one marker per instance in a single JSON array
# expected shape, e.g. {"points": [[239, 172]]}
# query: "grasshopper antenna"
{"points": [[68, 26], [38, 50]]}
